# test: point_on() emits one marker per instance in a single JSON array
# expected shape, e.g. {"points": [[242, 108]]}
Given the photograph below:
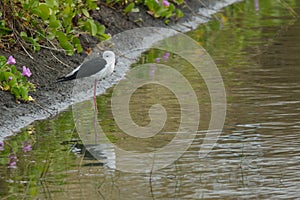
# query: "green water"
{"points": [[256, 156]]}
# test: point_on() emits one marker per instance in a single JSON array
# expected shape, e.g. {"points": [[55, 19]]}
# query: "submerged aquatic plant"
{"points": [[13, 150], [14, 81], [166, 56], [12, 160], [1, 145], [27, 146]]}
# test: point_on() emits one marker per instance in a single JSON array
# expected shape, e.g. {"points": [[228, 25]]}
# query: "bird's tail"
{"points": [[66, 78], [61, 79]]}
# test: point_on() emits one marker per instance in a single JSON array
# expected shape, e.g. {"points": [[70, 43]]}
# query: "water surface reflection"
{"points": [[257, 156]]}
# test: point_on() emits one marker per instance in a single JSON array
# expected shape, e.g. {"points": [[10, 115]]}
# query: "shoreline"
{"points": [[52, 98]]}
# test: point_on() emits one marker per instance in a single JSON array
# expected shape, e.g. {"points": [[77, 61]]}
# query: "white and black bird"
{"points": [[97, 67]]}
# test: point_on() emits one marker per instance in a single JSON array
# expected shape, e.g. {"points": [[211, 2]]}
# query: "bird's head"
{"points": [[109, 56]]}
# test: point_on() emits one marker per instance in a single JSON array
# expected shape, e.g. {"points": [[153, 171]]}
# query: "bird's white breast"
{"points": [[108, 70]]}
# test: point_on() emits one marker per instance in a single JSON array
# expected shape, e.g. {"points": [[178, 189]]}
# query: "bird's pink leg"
{"points": [[96, 110], [95, 96]]}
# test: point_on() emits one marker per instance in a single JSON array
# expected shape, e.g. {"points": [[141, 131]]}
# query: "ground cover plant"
{"points": [[58, 24], [15, 81], [30, 25]]}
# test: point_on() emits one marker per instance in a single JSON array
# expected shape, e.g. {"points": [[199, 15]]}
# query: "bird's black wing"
{"points": [[91, 67], [87, 68]]}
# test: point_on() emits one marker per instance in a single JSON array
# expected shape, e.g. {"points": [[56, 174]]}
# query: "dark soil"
{"points": [[47, 66]]}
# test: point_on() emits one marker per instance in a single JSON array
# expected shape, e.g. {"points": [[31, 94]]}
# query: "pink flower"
{"points": [[10, 78], [11, 60], [26, 147], [157, 60], [12, 156], [12, 164], [166, 3], [12, 161], [152, 70], [26, 72], [166, 56]]}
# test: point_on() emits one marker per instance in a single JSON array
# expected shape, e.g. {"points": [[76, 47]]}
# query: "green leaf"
{"points": [[43, 11], [85, 12], [104, 37], [13, 82], [24, 93], [7, 74], [129, 7], [36, 47], [30, 86], [52, 3], [23, 35], [91, 27], [92, 4], [54, 23], [171, 8], [13, 69], [3, 29], [51, 34], [2, 78], [15, 91], [150, 5], [15, 146], [64, 43], [34, 42], [179, 13], [3, 160], [2, 61], [33, 4], [77, 44], [179, 1], [67, 10], [100, 29]]}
